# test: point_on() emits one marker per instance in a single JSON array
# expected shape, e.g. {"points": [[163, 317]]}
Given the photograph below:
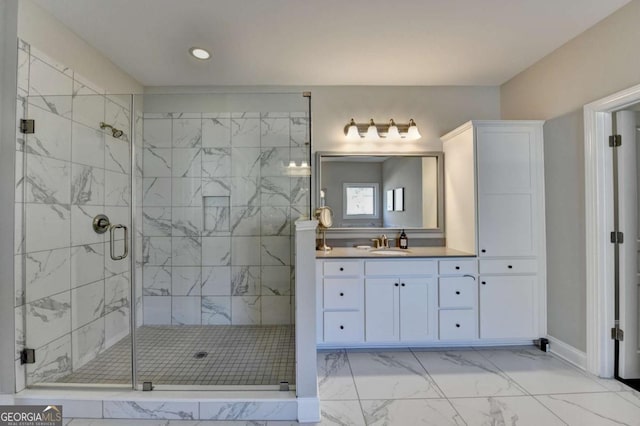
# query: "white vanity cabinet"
{"points": [[458, 299], [340, 298], [494, 183], [400, 301], [376, 301]]}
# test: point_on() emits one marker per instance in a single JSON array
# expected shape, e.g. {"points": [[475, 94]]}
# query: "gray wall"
{"points": [[334, 174], [8, 90], [596, 63], [566, 268], [404, 173]]}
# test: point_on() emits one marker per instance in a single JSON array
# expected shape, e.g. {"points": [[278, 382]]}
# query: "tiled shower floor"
{"points": [[237, 355]]}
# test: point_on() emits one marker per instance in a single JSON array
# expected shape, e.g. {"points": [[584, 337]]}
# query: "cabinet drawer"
{"points": [[458, 324], [400, 267], [448, 267], [508, 266], [343, 293], [457, 292], [342, 267], [343, 327]]}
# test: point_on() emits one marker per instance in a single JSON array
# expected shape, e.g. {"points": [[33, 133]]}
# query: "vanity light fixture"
{"points": [[413, 133], [372, 131], [352, 131], [393, 132], [200, 53]]}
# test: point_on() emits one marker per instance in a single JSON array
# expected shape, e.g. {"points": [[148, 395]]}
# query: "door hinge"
{"points": [[284, 386], [617, 237], [615, 140], [28, 356], [617, 333], [27, 126]]}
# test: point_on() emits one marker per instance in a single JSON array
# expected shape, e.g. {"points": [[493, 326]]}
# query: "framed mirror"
{"points": [[382, 191]]}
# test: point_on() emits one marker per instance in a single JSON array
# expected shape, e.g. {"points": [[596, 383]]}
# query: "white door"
{"points": [[629, 356], [417, 305], [507, 307], [381, 310]]}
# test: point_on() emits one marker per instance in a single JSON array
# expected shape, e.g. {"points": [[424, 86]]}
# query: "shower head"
{"points": [[116, 133]]}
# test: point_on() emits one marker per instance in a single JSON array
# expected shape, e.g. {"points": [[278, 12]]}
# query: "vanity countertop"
{"points": [[412, 252]]}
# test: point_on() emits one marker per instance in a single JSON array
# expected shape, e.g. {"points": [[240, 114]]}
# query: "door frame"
{"points": [[599, 223]]}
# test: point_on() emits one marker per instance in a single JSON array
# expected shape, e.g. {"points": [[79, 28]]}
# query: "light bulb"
{"points": [[372, 131], [200, 53], [304, 164], [393, 132], [352, 132], [413, 133], [292, 164]]}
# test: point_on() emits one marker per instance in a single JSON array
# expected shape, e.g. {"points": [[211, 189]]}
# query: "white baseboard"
{"points": [[308, 410], [568, 353]]}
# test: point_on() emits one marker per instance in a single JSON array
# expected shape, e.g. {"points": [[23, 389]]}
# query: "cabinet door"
{"points": [[381, 310], [417, 309], [506, 190], [507, 307]]}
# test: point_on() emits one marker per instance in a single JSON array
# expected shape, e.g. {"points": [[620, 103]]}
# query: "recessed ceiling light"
{"points": [[200, 53]]}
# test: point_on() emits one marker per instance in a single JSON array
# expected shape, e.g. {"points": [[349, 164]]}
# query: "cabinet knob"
{"points": [[342, 327], [457, 267], [483, 251], [457, 292], [396, 284], [341, 294], [458, 325], [402, 284], [510, 266], [341, 268], [484, 283]]}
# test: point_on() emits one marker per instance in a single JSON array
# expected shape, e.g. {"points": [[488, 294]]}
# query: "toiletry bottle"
{"points": [[404, 240]]}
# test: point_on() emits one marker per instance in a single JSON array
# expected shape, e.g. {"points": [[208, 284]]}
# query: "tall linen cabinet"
{"points": [[494, 207]]}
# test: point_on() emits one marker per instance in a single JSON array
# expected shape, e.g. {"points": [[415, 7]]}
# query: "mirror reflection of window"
{"points": [[360, 200]]}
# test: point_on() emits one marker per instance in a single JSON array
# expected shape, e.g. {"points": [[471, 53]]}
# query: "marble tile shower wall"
{"points": [[71, 297], [218, 216]]}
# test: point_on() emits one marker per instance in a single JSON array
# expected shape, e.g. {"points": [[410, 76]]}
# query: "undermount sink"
{"points": [[390, 252]]}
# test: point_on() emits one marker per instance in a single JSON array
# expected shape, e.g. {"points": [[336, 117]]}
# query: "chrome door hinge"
{"points": [[28, 356], [27, 126], [617, 237], [615, 140], [617, 333]]}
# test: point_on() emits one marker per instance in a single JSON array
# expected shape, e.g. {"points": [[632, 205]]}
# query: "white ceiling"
{"points": [[328, 42]]}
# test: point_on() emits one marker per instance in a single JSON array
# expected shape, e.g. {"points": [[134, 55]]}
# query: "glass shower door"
{"points": [[73, 284]]}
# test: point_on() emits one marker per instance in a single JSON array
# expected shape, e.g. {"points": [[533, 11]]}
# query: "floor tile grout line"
{"points": [[355, 386], [522, 387], [429, 375]]}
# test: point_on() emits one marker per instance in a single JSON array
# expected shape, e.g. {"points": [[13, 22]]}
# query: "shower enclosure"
{"points": [[191, 281]]}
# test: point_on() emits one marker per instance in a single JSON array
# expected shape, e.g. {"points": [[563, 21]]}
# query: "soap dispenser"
{"points": [[403, 240]]}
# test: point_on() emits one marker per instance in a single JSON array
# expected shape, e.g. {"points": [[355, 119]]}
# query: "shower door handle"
{"points": [[112, 233]]}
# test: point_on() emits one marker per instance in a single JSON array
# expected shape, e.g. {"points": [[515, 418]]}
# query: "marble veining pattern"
{"points": [[212, 176], [391, 375], [72, 169], [479, 377]]}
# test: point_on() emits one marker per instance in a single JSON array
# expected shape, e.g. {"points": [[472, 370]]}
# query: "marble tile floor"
{"points": [[488, 386], [236, 355]]}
